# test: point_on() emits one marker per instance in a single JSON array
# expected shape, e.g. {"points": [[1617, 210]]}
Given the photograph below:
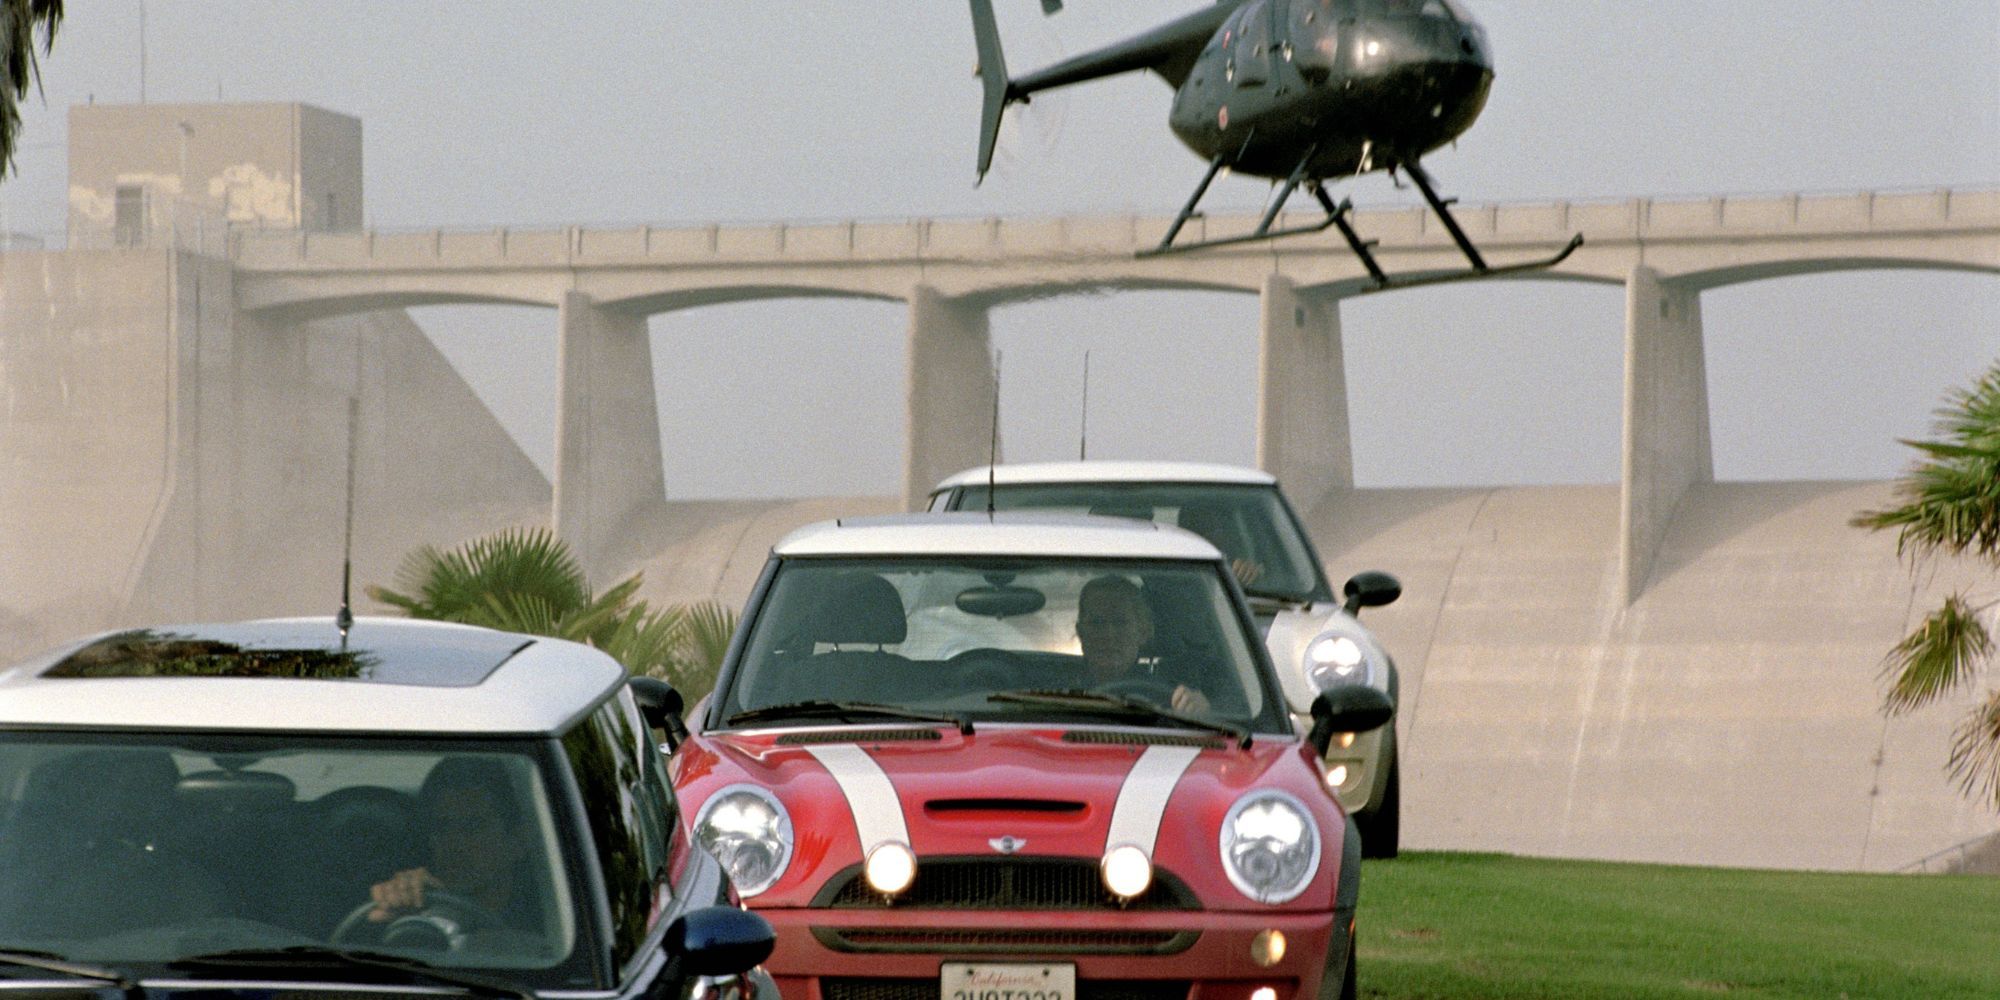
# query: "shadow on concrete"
{"points": [[1342, 520], [1713, 515]]}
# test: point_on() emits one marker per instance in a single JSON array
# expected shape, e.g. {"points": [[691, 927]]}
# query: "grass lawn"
{"points": [[1454, 926]]}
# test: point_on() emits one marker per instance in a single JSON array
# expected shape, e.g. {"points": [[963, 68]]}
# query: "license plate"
{"points": [[994, 981]]}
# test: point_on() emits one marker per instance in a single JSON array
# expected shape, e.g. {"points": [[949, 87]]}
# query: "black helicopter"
{"points": [[1299, 91]]}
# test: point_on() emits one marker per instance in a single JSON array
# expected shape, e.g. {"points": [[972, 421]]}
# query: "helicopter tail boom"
{"points": [[993, 77]]}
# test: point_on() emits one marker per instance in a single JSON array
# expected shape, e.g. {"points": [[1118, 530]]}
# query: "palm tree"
{"points": [[18, 21], [527, 580], [1949, 504]]}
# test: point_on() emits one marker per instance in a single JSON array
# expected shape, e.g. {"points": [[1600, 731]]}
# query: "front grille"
{"points": [[1016, 883], [997, 940], [1004, 805], [927, 989]]}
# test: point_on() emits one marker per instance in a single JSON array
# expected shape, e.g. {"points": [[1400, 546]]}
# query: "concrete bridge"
{"points": [[603, 283]]}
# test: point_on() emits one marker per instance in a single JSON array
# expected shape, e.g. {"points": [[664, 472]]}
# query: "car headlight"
{"points": [[890, 867], [748, 830], [1338, 657], [1270, 846]]}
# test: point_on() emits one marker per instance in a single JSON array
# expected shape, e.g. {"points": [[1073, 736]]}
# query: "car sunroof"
{"points": [[419, 657]]}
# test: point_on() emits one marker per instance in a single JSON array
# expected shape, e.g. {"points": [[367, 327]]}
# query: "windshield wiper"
{"points": [[846, 710], [1119, 706], [49, 961], [1281, 597], [258, 959]]}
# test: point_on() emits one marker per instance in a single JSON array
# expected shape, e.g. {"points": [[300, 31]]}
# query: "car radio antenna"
{"points": [[345, 619], [1083, 422], [993, 439]]}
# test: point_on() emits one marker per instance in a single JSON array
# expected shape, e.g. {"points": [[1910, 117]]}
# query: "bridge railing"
{"points": [[1083, 236]]}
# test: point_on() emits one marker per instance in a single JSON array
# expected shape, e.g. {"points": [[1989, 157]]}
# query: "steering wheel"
{"points": [[989, 669], [440, 925], [1151, 689]]}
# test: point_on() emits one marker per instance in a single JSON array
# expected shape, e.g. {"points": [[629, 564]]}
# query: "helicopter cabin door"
{"points": [[1251, 42]]}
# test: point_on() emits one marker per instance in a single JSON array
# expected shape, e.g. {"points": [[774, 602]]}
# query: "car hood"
{"points": [[1031, 791]]}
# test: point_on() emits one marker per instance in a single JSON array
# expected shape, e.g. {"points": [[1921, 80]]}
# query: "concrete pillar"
{"points": [[1667, 446], [949, 392], [608, 469], [1302, 430]]}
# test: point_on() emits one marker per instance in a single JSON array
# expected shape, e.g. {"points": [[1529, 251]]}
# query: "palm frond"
{"points": [[456, 585], [1975, 752], [645, 640], [594, 621], [526, 580], [710, 627], [18, 65], [698, 661], [1940, 656], [1949, 502], [531, 614]]}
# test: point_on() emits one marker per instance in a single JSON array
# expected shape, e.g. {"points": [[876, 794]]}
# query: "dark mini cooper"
{"points": [[276, 808]]}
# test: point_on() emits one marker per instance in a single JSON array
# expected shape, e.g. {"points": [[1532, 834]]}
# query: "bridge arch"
{"points": [[328, 307], [765, 399], [681, 299], [1872, 327], [1741, 274]]}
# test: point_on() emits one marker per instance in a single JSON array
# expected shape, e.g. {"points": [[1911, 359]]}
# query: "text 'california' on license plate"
{"points": [[994, 981]]}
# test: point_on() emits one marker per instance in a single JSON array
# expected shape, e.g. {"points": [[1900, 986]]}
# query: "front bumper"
{"points": [[842, 954]]}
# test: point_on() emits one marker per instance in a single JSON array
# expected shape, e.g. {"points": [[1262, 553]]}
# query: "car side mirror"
{"points": [[1347, 709], [1370, 589], [719, 941], [660, 705]]}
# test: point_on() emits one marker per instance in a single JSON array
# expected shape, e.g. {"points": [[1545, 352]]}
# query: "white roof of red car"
{"points": [[1005, 534], [1111, 472]]}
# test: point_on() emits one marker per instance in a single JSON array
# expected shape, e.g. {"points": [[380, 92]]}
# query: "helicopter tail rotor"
{"points": [[993, 77]]}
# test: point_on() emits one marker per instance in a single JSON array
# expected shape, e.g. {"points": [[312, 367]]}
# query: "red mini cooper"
{"points": [[968, 757]]}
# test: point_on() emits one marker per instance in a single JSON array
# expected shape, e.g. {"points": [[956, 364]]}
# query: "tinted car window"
{"points": [[120, 849], [630, 823]]}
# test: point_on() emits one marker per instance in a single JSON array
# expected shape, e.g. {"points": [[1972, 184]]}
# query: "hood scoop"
{"points": [[1100, 736], [859, 736], [988, 805]]}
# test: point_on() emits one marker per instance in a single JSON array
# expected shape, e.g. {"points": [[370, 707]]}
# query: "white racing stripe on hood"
{"points": [[1142, 800], [878, 812]]}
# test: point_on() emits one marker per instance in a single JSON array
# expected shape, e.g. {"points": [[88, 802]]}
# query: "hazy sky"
{"points": [[541, 114]]}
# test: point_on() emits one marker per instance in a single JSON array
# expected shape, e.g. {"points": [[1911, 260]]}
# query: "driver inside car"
{"points": [[472, 820], [1113, 625]]}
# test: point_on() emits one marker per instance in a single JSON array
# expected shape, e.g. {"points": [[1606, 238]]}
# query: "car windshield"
{"points": [[149, 850], [1250, 523], [852, 639]]}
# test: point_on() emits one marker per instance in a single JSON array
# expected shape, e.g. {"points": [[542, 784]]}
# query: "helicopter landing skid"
{"points": [[1336, 218]]}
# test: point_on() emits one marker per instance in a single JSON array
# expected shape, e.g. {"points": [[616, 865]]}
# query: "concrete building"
{"points": [[1665, 669], [163, 456], [140, 170]]}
